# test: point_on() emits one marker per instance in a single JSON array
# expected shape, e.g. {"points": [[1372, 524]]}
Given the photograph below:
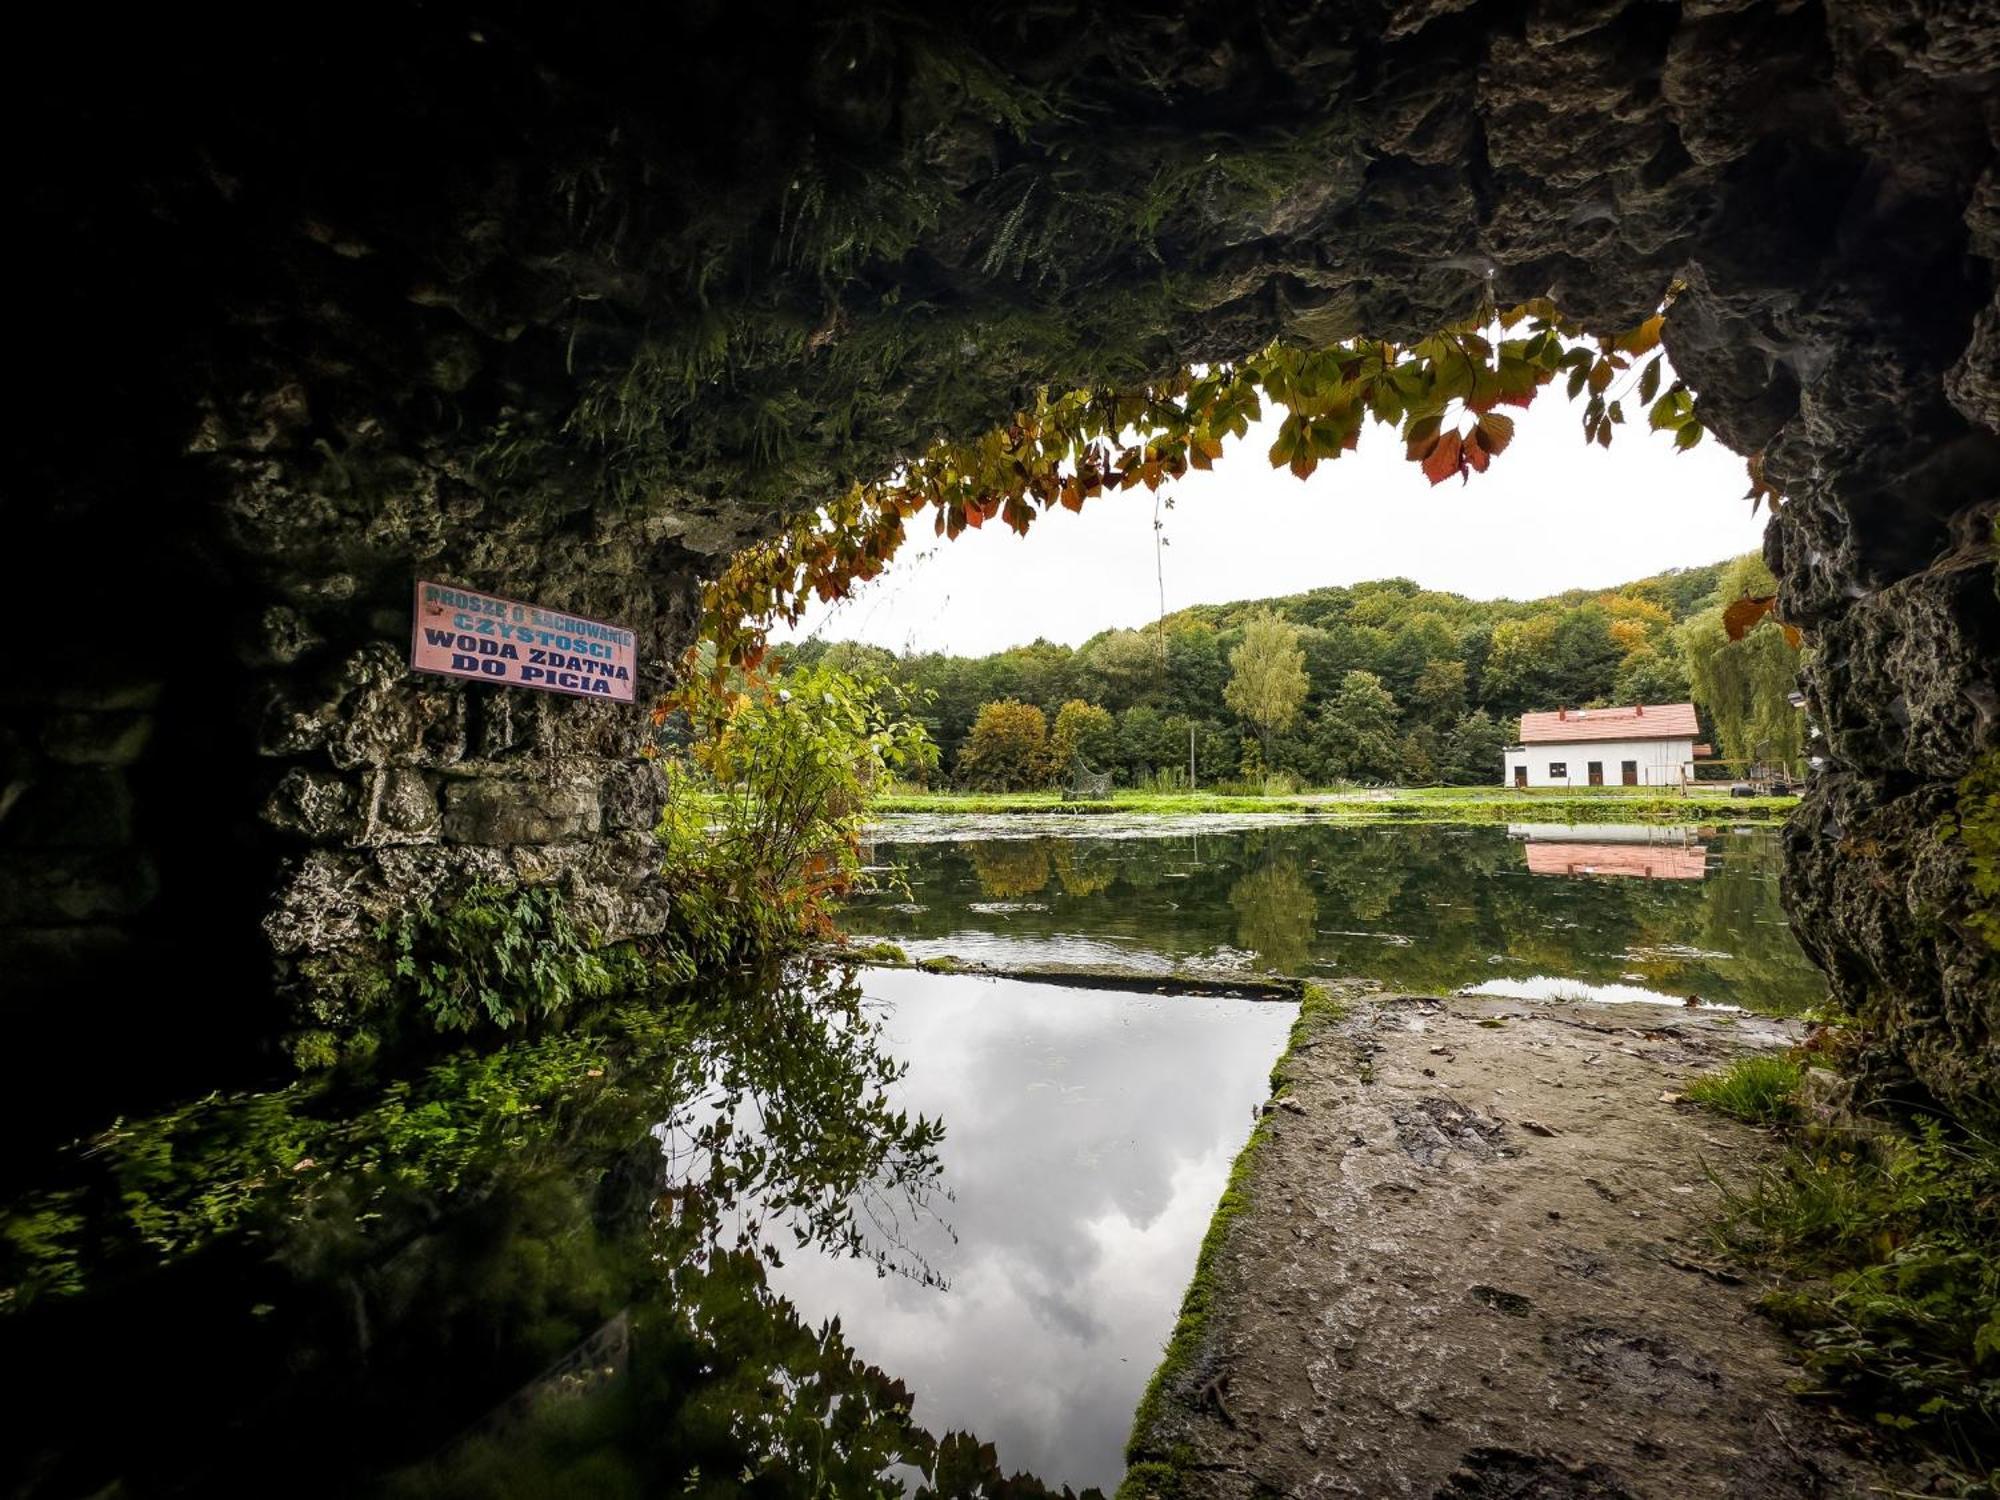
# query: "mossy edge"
{"points": [[1157, 1471]]}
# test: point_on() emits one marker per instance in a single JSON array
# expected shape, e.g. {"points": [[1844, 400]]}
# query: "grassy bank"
{"points": [[1418, 804], [1879, 1245]]}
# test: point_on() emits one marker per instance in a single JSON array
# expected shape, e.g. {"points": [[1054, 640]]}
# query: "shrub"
{"points": [[1008, 749], [763, 822]]}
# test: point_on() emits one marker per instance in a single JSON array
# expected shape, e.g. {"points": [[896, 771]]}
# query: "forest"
{"points": [[1380, 682]]}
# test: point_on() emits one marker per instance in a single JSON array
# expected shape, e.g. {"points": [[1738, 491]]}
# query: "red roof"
{"points": [[1646, 721], [1648, 861]]}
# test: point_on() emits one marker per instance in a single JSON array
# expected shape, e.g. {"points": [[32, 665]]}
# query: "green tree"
{"points": [[1473, 756], [1517, 673], [1121, 667], [1085, 732], [1146, 742], [1745, 686], [1420, 757], [1439, 695], [1656, 674], [1357, 730], [1008, 748], [1268, 678], [1196, 669]]}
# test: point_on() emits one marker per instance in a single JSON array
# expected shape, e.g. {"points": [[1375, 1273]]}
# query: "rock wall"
{"points": [[571, 306]]}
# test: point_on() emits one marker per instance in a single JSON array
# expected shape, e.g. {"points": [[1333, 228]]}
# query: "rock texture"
{"points": [[1471, 1261], [571, 304]]}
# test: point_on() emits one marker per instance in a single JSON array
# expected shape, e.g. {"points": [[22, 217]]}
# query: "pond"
{"points": [[785, 1240], [1088, 1137], [798, 1233], [1612, 911]]}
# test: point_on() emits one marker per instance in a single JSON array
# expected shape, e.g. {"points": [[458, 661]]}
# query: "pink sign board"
{"points": [[462, 633]]}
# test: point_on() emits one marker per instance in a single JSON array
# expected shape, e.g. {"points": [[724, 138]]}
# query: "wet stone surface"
{"points": [[1473, 1265]]}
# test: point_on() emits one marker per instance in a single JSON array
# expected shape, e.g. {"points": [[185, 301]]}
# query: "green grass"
{"points": [[1885, 1246], [1760, 1088], [1420, 804]]}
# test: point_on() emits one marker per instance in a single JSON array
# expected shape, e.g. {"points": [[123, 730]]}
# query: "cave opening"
{"points": [[533, 322], [588, 308]]}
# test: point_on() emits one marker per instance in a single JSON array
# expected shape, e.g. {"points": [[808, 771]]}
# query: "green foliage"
{"points": [[1976, 821], [500, 956], [762, 826], [1473, 754], [1889, 1245], [1007, 750], [1083, 733], [1356, 731], [1267, 681], [1758, 1087], [1458, 670], [1066, 447], [436, 1240], [1744, 686]]}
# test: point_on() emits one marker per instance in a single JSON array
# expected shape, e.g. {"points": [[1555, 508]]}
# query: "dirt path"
{"points": [[1471, 1265]]}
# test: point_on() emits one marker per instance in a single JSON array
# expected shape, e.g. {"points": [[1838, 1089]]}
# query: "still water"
{"points": [[1542, 910], [839, 1232], [1088, 1137], [822, 1231]]}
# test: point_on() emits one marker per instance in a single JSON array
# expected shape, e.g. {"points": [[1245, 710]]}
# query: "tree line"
{"points": [[1378, 682]]}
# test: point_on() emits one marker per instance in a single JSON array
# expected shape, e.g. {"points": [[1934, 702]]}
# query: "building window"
{"points": [[1558, 770], [1596, 769], [1629, 772]]}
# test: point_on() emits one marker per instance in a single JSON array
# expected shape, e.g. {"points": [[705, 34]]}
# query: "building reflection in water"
{"points": [[1631, 849]]}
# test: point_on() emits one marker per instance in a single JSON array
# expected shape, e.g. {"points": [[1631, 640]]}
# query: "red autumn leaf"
{"points": [[1446, 459], [1421, 438]]}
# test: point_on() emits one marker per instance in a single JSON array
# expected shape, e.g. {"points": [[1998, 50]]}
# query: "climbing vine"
{"points": [[1444, 394]]}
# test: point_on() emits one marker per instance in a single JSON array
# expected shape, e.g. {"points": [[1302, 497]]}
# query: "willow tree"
{"points": [[1745, 685], [1268, 681]]}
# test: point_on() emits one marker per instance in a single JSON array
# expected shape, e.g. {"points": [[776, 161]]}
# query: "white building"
{"points": [[1648, 744]]}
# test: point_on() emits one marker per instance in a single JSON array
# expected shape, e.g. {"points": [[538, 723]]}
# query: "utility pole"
{"points": [[1190, 756]]}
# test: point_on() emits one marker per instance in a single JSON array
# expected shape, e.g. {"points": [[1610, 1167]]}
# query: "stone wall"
{"points": [[572, 305]]}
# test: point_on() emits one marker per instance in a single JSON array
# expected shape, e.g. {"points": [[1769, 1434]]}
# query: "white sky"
{"points": [[1552, 513]]}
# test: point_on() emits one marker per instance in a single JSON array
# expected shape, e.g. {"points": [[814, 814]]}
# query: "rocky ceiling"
{"points": [[571, 303]]}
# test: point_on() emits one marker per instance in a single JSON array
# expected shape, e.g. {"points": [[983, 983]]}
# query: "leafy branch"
{"points": [[1443, 394]]}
